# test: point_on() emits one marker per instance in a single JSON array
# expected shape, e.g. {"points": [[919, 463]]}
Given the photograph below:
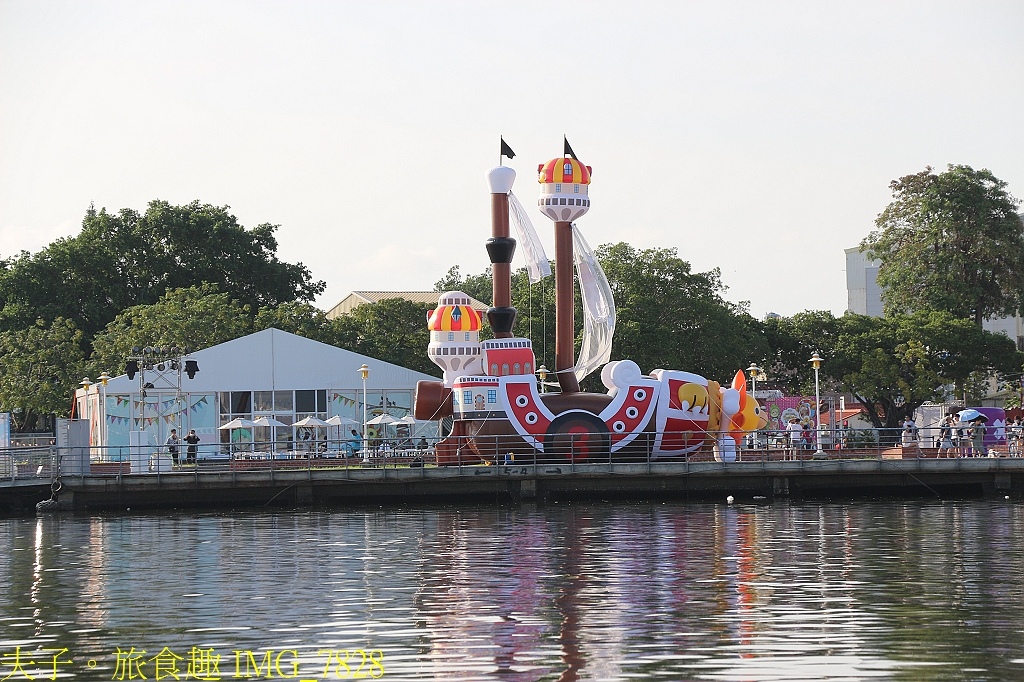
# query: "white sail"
{"points": [[536, 260], [598, 308]]}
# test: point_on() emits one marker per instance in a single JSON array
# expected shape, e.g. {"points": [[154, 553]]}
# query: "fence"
{"points": [[41, 463]]}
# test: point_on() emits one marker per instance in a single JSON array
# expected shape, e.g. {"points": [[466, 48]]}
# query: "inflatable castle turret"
{"points": [[455, 336], [564, 184]]}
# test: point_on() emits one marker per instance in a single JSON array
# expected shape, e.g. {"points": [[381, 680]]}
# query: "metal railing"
{"points": [[47, 463]]}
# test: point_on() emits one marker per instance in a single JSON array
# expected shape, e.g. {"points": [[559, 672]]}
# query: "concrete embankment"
{"points": [[807, 479]]}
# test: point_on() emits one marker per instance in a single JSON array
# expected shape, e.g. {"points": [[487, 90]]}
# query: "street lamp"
{"points": [[364, 372], [86, 383], [542, 372], [104, 378], [816, 364], [755, 372]]}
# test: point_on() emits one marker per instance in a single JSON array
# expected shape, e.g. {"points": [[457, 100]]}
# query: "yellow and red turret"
{"points": [[564, 189], [455, 336]]}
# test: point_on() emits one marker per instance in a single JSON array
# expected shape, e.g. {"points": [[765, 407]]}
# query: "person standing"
{"points": [[193, 447], [795, 433], [978, 438], [946, 437], [172, 443]]}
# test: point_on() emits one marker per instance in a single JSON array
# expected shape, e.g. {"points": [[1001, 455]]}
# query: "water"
{"points": [[880, 590]]}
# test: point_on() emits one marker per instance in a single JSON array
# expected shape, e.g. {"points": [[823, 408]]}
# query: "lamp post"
{"points": [[816, 364], [364, 372], [104, 378], [86, 383], [755, 372], [542, 372]]}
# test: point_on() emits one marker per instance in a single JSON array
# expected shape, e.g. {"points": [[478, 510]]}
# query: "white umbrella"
{"points": [[407, 419], [311, 421], [383, 419], [238, 423], [338, 420], [267, 421]]}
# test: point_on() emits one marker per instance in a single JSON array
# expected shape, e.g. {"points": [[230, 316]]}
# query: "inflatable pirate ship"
{"points": [[489, 391]]}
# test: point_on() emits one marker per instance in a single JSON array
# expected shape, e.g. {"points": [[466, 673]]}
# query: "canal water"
{"points": [[594, 591]]}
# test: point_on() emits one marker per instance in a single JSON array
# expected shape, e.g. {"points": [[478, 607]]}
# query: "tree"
{"points": [[393, 330], [40, 367], [477, 286], [950, 241], [196, 317], [672, 318], [127, 259], [892, 365], [303, 319]]}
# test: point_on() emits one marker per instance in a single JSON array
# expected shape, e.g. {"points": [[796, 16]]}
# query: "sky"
{"points": [[755, 137]]}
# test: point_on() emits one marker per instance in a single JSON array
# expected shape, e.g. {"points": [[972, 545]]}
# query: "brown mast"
{"points": [[565, 355], [500, 249]]}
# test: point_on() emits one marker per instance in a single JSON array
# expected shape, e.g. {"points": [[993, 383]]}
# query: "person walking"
{"points": [[173, 443]]}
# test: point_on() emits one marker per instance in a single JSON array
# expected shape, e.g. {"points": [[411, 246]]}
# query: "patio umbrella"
{"points": [[238, 423], [311, 421], [267, 421], [339, 421], [407, 419], [382, 419]]}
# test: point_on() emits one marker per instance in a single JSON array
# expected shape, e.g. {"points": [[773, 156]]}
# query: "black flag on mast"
{"points": [[506, 150], [568, 150]]}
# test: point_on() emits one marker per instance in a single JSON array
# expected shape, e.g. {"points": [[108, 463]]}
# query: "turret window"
{"points": [[558, 187], [492, 396], [567, 168], [576, 189], [451, 336]]}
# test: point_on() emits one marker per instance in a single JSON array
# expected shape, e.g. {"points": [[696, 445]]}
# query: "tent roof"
{"points": [[277, 360]]}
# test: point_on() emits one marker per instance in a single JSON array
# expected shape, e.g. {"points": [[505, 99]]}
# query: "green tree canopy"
{"points": [[128, 259], [195, 317], [477, 286], [891, 365], [299, 318], [950, 241], [40, 367], [393, 330]]}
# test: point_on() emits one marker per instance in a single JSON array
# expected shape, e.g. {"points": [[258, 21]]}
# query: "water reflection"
{"points": [[560, 592]]}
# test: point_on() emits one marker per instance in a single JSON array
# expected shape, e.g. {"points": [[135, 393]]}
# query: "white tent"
{"points": [[270, 374]]}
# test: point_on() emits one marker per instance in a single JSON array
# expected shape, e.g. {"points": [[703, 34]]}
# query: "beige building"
{"points": [[358, 298]]}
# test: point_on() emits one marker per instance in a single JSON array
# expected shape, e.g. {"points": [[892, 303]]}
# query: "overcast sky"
{"points": [[756, 137]]}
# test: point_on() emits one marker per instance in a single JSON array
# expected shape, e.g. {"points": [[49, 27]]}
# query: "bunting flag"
{"points": [[567, 150], [506, 150]]}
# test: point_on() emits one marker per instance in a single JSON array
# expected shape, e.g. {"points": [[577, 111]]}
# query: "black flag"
{"points": [[568, 150], [506, 150]]}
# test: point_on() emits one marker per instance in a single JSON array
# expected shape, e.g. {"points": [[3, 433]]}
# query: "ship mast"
{"points": [[500, 249], [565, 361]]}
